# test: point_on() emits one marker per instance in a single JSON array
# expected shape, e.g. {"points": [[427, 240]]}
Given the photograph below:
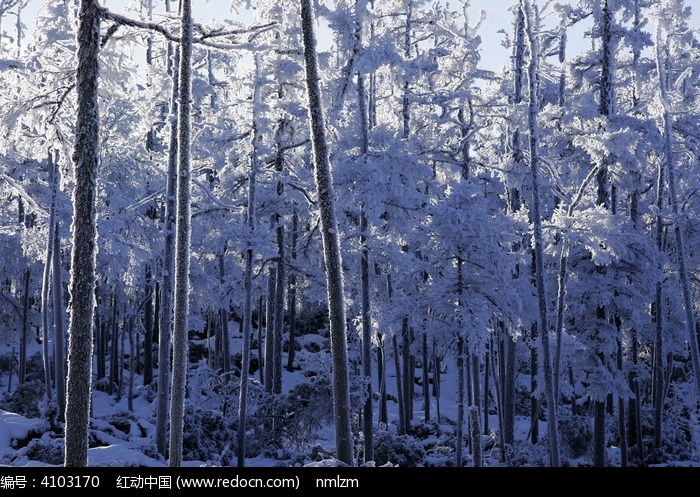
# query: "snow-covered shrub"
{"points": [[294, 419], [440, 456], [402, 450], [208, 436], [576, 436], [25, 399], [46, 449]]}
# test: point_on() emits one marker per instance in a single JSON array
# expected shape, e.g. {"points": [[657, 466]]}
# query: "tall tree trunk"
{"points": [[509, 391], [45, 283], [148, 330], [166, 298], [507, 363], [114, 347], [121, 358], [223, 322], [658, 354], [405, 109], [331, 245], [132, 363], [292, 295], [367, 412], [534, 400], [635, 427], [59, 343], [383, 416], [399, 386], [9, 375], [436, 379], [407, 372], [182, 242], [475, 433], [101, 350], [475, 386], [460, 402], [426, 379], [537, 236], [260, 341], [678, 227], [280, 278], [82, 284], [622, 417], [497, 372], [25, 327], [485, 403], [270, 330], [280, 283], [248, 281]]}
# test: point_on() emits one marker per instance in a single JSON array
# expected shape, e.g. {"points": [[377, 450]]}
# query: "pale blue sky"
{"points": [[498, 17]]}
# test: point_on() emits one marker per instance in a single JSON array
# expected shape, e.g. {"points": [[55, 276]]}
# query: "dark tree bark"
{"points": [[59, 342], [292, 295], [270, 330], [331, 245], [148, 330], [82, 284]]}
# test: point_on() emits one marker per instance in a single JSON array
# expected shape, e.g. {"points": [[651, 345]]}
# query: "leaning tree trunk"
{"points": [[533, 110], [182, 242], [331, 244], [82, 284], [678, 229]]}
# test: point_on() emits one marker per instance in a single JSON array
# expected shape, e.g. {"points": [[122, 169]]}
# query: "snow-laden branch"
{"points": [[306, 194], [145, 200], [213, 198], [22, 193], [203, 38], [59, 102]]}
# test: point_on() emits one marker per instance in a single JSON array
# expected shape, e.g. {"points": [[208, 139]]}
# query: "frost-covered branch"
{"points": [[203, 38], [144, 200], [22, 193], [306, 194], [213, 198]]}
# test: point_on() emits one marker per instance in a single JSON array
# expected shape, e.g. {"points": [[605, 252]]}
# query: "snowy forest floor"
{"points": [[302, 432]]}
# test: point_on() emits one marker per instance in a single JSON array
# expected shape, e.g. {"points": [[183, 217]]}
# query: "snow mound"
{"points": [[16, 427]]}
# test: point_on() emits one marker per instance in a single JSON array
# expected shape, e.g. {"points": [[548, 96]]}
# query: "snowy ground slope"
{"points": [[121, 437]]}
